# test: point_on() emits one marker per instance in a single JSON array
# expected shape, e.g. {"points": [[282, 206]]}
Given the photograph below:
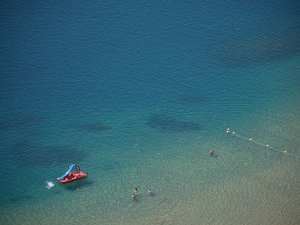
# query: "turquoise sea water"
{"points": [[137, 94]]}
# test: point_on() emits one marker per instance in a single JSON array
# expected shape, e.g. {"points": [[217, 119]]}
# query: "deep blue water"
{"points": [[101, 83]]}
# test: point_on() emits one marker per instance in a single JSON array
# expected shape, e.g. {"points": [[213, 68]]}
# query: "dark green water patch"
{"points": [[259, 49], [193, 99], [29, 154], [92, 127], [170, 124], [19, 198], [21, 120]]}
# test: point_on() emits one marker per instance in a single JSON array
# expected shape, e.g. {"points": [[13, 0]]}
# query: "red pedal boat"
{"points": [[70, 176]]}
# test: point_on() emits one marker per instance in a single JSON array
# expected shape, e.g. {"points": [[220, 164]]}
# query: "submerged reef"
{"points": [[21, 120], [264, 48], [170, 124], [28, 154], [92, 127]]}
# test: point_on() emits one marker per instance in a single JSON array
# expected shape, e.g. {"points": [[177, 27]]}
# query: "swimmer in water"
{"points": [[49, 184], [211, 152], [133, 195], [135, 190], [149, 192]]}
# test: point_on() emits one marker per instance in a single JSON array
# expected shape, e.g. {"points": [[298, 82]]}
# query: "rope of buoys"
{"points": [[265, 145]]}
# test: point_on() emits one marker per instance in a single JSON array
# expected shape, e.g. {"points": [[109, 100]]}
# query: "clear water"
{"points": [[137, 94]]}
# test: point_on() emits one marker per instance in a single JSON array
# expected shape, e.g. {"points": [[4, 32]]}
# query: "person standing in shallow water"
{"points": [[133, 195], [211, 152]]}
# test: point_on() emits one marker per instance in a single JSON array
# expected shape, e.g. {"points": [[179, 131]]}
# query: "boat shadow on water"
{"points": [[77, 185]]}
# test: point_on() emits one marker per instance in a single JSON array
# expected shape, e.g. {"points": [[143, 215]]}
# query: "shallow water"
{"points": [[137, 95]]}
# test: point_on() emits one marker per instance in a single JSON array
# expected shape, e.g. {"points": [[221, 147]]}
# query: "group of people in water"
{"points": [[135, 191]]}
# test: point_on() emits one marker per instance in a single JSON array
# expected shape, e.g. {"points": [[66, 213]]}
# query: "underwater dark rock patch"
{"points": [[28, 196], [22, 120], [15, 199], [93, 127], [20, 197], [28, 154], [259, 49], [170, 124], [192, 99]]}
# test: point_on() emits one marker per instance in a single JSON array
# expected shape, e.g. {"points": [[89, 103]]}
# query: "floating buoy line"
{"points": [[285, 152]]}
